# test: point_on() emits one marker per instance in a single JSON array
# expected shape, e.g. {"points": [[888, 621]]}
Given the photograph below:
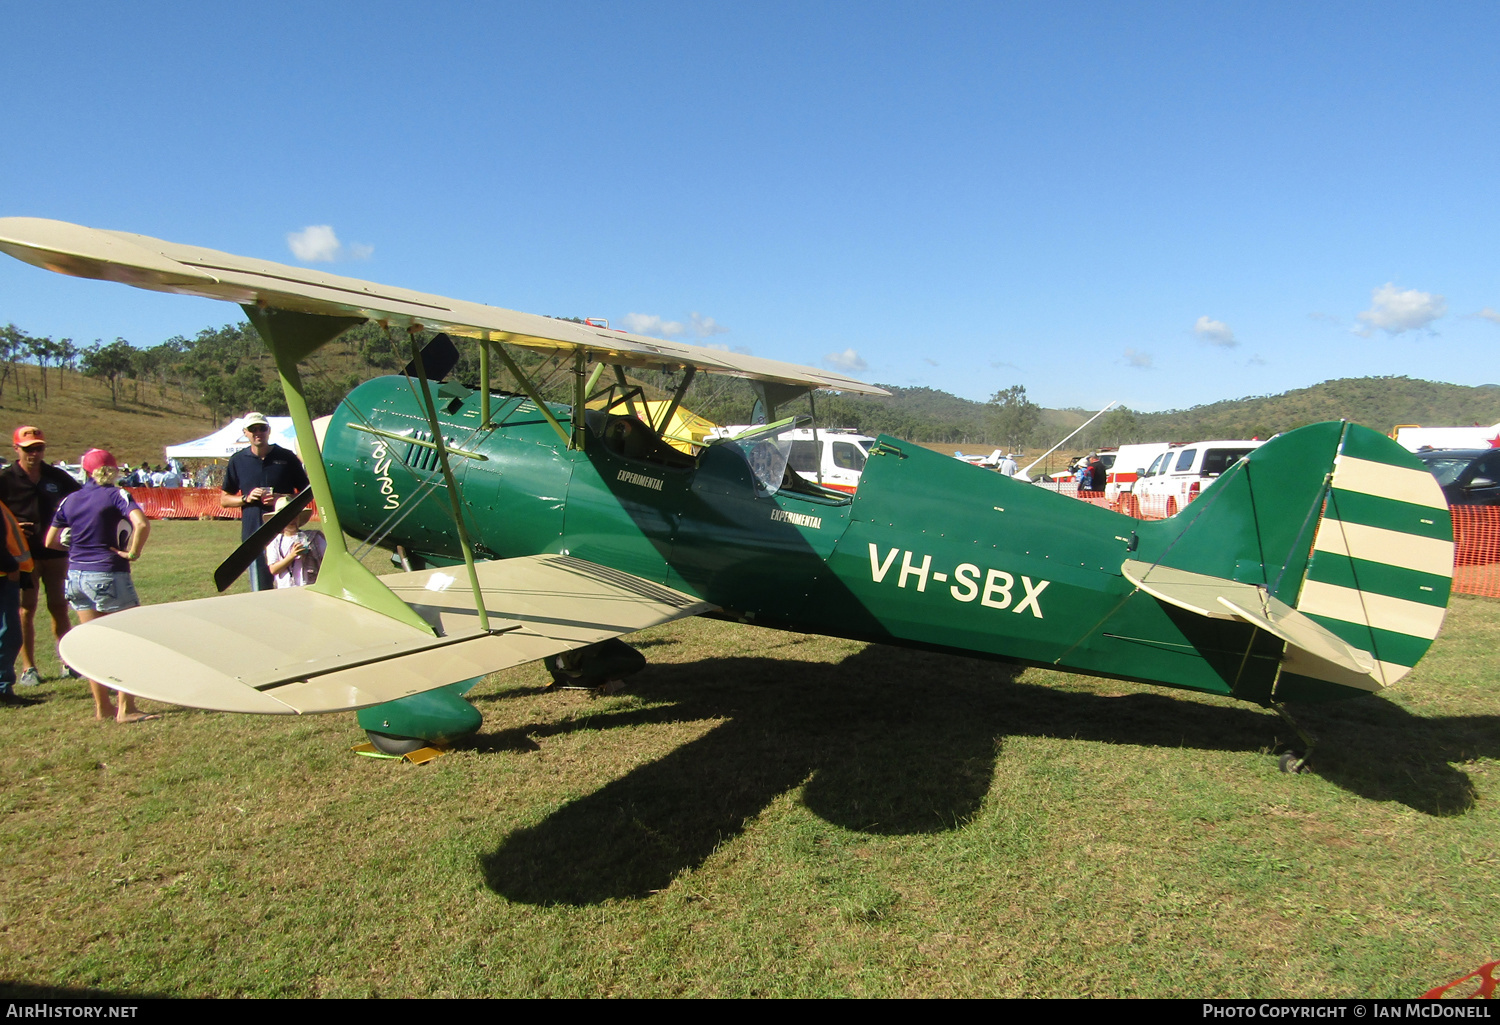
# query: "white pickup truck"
{"points": [[1177, 476]]}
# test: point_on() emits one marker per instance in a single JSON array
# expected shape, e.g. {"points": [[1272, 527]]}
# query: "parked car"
{"points": [[1468, 476], [1178, 475]]}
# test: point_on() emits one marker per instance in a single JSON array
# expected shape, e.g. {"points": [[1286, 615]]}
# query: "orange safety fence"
{"points": [[182, 504], [185, 504], [1476, 560], [1476, 536]]}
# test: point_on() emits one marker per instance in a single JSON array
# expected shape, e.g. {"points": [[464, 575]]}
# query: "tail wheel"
{"points": [[1293, 763], [1171, 507]]}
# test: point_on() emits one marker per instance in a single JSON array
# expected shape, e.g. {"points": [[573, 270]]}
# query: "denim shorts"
{"points": [[98, 591]]}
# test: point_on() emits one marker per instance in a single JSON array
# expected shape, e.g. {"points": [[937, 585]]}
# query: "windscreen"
{"points": [[768, 458], [767, 454]]}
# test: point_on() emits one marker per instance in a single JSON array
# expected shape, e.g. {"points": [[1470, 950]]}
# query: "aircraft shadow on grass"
{"points": [[894, 741]]}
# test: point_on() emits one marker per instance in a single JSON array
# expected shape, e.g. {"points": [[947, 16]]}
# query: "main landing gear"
{"points": [[604, 665], [421, 720], [385, 743]]}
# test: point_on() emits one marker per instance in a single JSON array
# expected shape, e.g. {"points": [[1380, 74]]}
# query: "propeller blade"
{"points": [[240, 559], [439, 357]]}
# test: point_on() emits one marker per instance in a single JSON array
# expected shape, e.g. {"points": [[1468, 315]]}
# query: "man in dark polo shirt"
{"points": [[32, 489], [255, 478]]}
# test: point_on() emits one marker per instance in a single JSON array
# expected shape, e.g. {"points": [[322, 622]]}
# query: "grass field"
{"points": [[762, 814]]}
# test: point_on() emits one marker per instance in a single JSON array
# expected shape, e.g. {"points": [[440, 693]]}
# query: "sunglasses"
{"points": [[33, 449], [257, 428]]}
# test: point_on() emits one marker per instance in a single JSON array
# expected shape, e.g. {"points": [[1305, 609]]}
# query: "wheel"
{"points": [[1171, 508], [1292, 763], [392, 745]]}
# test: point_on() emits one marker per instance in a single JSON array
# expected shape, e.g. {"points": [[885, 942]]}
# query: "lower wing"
{"points": [[294, 650]]}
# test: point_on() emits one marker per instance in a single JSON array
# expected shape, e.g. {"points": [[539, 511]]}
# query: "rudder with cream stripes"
{"points": [[1382, 560]]}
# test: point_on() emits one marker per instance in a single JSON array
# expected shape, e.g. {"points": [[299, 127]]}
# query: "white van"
{"points": [[1129, 461], [1179, 474]]}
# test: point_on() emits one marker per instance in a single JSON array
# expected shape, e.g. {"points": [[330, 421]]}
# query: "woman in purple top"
{"points": [[103, 532]]}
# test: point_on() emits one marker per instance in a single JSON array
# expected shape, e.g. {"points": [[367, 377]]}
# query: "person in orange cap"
{"points": [[33, 489]]}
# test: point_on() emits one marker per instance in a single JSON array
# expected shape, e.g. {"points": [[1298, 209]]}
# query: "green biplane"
{"points": [[1318, 567]]}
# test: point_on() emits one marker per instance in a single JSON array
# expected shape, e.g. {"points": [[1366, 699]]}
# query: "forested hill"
{"points": [[1378, 402], [923, 414], [224, 371]]}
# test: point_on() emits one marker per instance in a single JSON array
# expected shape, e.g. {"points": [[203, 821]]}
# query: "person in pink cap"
{"points": [[106, 533]]}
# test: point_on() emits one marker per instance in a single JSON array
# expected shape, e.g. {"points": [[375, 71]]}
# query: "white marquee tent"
{"points": [[228, 440]]}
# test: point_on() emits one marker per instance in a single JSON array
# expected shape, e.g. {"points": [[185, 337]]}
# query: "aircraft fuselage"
{"points": [[930, 552]]}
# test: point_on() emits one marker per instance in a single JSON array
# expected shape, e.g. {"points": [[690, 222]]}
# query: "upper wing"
{"points": [[190, 270], [295, 650]]}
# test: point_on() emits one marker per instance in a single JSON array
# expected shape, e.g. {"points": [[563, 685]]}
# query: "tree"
{"points": [[67, 357], [1117, 427], [41, 349], [111, 362], [1013, 417], [143, 364], [12, 345]]}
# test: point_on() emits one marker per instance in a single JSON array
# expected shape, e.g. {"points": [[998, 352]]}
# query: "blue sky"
{"points": [[1162, 204]]}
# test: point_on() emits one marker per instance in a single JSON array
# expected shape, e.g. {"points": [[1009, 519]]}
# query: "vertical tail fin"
{"points": [[1382, 563], [1340, 524]]}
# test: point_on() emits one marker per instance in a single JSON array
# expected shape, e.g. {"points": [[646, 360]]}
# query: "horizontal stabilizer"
{"points": [[294, 650], [1312, 650]]}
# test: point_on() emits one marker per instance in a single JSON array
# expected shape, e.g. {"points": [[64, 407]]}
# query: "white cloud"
{"points": [[651, 324], [846, 360], [1215, 332], [697, 325], [317, 243], [1139, 360], [1394, 310], [706, 327], [1489, 314]]}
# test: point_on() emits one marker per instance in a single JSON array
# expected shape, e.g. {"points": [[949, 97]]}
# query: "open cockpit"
{"points": [[762, 449]]}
